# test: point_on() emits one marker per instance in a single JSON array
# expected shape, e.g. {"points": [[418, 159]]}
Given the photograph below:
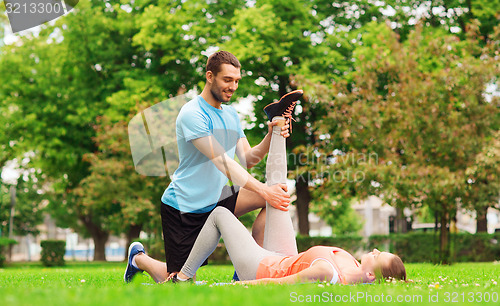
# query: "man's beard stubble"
{"points": [[216, 96]]}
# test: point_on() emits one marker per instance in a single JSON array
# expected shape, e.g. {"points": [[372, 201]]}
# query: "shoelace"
{"points": [[288, 114]]}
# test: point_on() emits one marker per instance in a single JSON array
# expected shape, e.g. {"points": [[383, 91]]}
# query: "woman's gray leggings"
{"points": [[245, 253]]}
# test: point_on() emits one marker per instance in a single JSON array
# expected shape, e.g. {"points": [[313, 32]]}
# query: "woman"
{"points": [[278, 261], [256, 265]]}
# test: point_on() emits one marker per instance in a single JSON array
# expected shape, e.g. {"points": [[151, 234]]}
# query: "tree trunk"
{"points": [[436, 221], [400, 223], [481, 220], [99, 236], [132, 234], [303, 199], [444, 246], [100, 246]]}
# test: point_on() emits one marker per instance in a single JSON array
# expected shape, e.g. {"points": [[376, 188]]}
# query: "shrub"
{"points": [[53, 252], [347, 242], [411, 247], [477, 247], [416, 247], [4, 245]]}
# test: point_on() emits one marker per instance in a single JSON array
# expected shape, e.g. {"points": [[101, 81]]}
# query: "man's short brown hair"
{"points": [[215, 61]]}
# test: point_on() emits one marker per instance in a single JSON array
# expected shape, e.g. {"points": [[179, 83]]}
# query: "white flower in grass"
{"points": [[82, 281], [434, 285]]}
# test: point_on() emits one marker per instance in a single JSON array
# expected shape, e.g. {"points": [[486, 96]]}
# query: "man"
{"points": [[209, 135]]}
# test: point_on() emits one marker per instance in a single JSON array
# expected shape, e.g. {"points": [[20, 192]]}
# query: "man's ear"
{"points": [[210, 76], [370, 276]]}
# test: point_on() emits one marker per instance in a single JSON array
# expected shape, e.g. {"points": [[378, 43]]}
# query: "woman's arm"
{"points": [[320, 270]]}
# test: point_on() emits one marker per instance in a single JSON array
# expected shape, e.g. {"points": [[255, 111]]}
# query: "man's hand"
{"points": [[277, 196], [170, 276], [285, 130]]}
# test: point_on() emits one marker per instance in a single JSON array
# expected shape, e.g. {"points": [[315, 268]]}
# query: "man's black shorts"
{"points": [[180, 230]]}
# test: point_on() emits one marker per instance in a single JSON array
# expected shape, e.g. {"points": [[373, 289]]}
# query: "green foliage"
{"points": [[338, 213], [115, 195], [29, 208], [4, 246], [483, 177], [411, 247], [412, 97], [424, 129], [424, 247], [249, 218], [451, 15], [415, 247], [4, 208], [478, 247], [349, 243], [53, 252]]}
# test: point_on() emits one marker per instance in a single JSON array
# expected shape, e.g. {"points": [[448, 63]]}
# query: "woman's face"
{"points": [[375, 259]]}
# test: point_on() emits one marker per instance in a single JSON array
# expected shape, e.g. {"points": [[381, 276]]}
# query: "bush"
{"points": [[416, 247], [53, 252], [477, 247], [4, 245], [411, 247], [349, 243]]}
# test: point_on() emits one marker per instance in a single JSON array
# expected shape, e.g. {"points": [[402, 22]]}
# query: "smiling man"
{"points": [[209, 135]]}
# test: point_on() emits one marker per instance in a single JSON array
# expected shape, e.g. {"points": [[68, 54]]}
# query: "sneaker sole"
{"points": [[298, 91]]}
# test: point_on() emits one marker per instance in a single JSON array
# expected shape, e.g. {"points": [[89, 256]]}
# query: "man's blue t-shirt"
{"points": [[197, 184]]}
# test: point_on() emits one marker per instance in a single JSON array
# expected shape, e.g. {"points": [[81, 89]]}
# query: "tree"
{"points": [[418, 106], [92, 62], [114, 196], [57, 87], [29, 204], [272, 40], [483, 182]]}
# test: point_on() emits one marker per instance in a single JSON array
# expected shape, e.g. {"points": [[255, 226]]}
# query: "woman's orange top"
{"points": [[279, 266]]}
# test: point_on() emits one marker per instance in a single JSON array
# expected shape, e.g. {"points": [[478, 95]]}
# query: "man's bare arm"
{"points": [[275, 195]]}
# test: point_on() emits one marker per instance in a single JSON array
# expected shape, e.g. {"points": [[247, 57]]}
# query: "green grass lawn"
{"points": [[102, 284]]}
